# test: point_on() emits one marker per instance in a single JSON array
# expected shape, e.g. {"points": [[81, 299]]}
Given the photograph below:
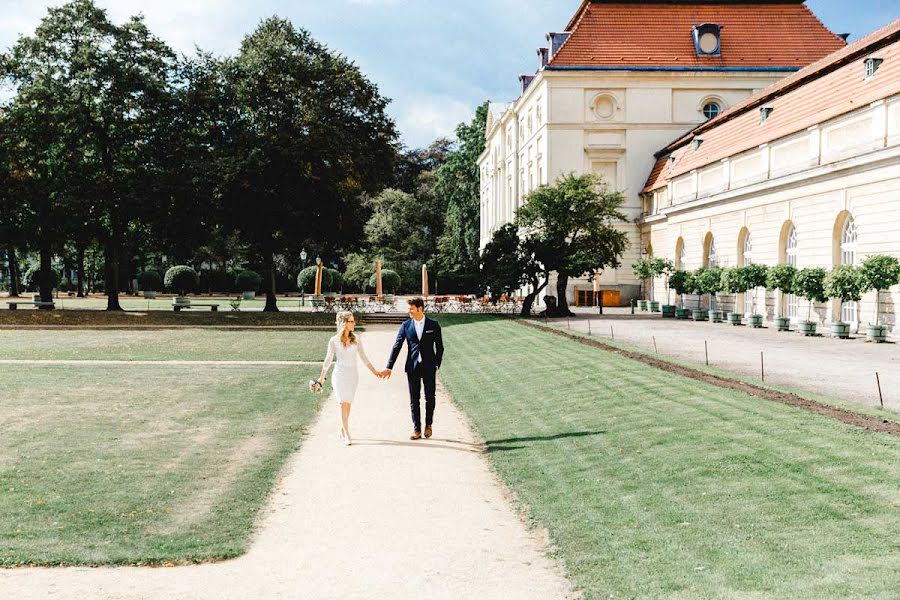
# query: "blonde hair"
{"points": [[347, 336]]}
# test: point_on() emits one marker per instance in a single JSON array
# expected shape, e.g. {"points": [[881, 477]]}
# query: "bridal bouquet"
{"points": [[315, 387]]}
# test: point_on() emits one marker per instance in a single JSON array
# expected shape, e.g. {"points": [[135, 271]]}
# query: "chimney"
{"points": [[543, 53], [843, 36], [526, 81], [556, 41]]}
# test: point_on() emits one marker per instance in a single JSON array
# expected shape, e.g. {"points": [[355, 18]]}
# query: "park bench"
{"points": [[177, 306], [13, 304]]}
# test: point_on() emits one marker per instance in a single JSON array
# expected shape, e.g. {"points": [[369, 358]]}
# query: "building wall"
{"points": [[845, 168]]}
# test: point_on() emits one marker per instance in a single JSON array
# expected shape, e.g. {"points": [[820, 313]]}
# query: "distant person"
{"points": [[343, 349], [426, 350]]}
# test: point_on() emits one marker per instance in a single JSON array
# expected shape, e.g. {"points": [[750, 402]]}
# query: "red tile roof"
{"points": [[759, 34], [827, 89]]}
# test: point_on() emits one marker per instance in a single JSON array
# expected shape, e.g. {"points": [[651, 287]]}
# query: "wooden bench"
{"points": [[177, 306], [13, 304]]}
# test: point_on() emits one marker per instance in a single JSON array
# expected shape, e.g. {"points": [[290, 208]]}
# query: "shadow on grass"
{"points": [[513, 443], [423, 443]]}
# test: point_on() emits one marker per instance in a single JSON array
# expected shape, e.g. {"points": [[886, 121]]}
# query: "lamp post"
{"points": [[303, 256]]}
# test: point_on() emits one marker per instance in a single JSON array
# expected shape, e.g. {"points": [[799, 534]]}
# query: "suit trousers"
{"points": [[417, 377]]}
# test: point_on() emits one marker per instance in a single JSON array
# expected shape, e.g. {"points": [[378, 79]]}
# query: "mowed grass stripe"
{"points": [[654, 485], [142, 464]]}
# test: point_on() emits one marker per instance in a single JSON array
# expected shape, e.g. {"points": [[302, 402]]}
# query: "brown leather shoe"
{"points": [[416, 435], [428, 432]]}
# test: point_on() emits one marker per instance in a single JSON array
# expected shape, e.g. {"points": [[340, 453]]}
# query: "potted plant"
{"points": [[182, 279], [755, 277], [248, 282], [781, 278], [844, 283], [150, 282], [679, 281], [696, 285], [879, 273], [810, 284], [643, 270], [710, 281], [734, 281], [663, 267]]}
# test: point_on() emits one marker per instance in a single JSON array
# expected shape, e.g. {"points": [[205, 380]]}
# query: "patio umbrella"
{"points": [[597, 297], [319, 280], [424, 281], [379, 291]]}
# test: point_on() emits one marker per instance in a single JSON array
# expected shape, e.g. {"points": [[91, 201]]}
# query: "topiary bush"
{"points": [[844, 283], [306, 280], [810, 283], [248, 281], [33, 279], [337, 280], [781, 277], [755, 275], [390, 281], [678, 281], [643, 270], [149, 281], [182, 279], [879, 273]]}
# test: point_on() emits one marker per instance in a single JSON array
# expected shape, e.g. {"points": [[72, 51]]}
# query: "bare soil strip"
{"points": [[848, 417]]}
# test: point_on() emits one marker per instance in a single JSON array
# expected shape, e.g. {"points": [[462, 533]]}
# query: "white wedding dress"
{"points": [[345, 377]]}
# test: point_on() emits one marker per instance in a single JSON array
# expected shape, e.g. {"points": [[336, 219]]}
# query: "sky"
{"points": [[436, 59]]}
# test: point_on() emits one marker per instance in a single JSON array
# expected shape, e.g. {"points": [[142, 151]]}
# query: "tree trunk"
{"points": [[13, 272], [112, 273], [44, 286], [271, 302], [562, 304], [530, 298], [80, 267]]}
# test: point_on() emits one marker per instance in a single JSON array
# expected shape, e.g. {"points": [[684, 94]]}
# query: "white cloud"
{"points": [[426, 118]]}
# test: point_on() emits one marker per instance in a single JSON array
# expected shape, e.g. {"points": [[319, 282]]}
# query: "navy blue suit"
{"points": [[418, 372]]}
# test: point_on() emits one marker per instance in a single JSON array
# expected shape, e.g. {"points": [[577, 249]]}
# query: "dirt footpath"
{"points": [[384, 518]]}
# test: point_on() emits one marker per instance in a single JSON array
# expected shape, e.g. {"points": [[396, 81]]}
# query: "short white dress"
{"points": [[345, 377]]}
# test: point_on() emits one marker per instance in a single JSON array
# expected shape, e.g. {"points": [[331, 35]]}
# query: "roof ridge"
{"points": [[832, 61], [586, 6]]}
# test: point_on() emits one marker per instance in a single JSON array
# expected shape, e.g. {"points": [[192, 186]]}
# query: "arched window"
{"points": [[849, 310], [790, 251], [710, 260], [746, 258], [680, 254]]}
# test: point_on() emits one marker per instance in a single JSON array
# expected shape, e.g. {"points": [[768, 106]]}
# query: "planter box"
{"points": [[149, 295], [840, 330], [668, 311], [654, 306], [682, 313], [807, 327], [783, 323], [755, 321], [716, 316], [701, 315], [248, 295], [735, 318], [181, 301], [876, 333], [642, 305]]}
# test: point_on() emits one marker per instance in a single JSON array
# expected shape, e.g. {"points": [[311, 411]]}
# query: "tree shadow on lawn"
{"points": [[513, 443]]}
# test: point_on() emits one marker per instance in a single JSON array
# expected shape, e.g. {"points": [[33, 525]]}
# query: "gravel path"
{"points": [[213, 363], [385, 518]]}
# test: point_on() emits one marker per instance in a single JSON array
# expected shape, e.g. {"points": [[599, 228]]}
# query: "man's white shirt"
{"points": [[420, 329]]}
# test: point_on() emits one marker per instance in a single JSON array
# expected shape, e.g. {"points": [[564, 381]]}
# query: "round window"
{"points": [[711, 109], [709, 43]]}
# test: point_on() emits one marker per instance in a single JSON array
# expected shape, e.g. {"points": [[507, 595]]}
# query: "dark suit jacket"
{"points": [[430, 347]]}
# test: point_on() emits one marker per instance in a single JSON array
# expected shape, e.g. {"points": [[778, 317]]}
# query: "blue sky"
{"points": [[437, 59]]}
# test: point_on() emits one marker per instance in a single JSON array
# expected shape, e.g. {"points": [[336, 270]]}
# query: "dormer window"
{"points": [[707, 38], [764, 113], [871, 65], [697, 142]]}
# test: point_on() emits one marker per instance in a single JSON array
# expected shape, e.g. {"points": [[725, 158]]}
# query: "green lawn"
{"points": [[165, 344], [655, 486], [132, 464]]}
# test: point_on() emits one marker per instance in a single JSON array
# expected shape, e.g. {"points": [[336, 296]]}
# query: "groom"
{"points": [[426, 349]]}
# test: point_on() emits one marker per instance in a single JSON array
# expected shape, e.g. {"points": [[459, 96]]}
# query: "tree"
{"points": [[662, 267], [411, 165], [879, 273], [403, 226], [572, 223], [680, 282], [810, 283], [845, 283], [643, 270], [506, 265], [781, 277], [456, 183], [309, 135]]}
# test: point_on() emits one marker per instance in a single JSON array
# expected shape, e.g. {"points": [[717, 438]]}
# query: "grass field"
{"points": [[135, 464], [655, 486]]}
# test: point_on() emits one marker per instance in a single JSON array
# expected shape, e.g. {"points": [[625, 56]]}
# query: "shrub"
{"points": [[879, 273], [678, 281], [149, 281], [182, 279], [643, 269], [390, 281], [248, 281], [844, 283], [337, 280], [33, 279], [810, 283], [734, 280], [306, 280], [781, 277], [708, 280]]}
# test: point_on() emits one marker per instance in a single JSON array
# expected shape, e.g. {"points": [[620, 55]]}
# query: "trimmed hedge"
{"points": [[182, 279], [390, 281], [306, 280], [149, 281], [248, 281]]}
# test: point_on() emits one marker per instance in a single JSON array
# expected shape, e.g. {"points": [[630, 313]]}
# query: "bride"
{"points": [[343, 349]]}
